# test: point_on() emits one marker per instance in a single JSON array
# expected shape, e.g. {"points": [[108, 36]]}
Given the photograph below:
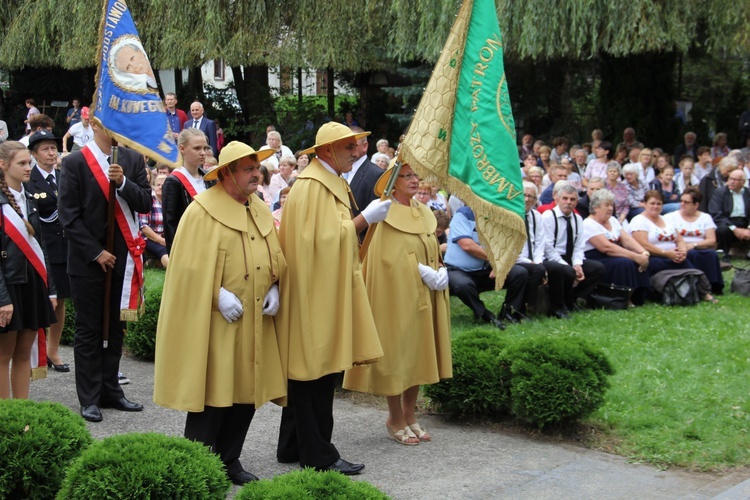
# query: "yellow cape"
{"points": [[412, 320], [324, 310], [201, 359]]}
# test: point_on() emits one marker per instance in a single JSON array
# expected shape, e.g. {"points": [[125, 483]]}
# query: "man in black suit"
{"points": [[363, 177], [207, 126], [714, 180], [83, 213], [729, 208]]}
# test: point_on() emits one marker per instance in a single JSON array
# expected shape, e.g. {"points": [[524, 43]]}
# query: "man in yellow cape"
{"points": [[218, 353], [324, 310]]}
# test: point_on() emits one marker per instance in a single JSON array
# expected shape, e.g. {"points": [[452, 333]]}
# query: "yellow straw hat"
{"points": [[332, 132], [233, 151]]}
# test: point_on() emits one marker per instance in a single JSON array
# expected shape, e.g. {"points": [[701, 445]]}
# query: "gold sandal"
{"points": [[402, 436], [420, 432]]}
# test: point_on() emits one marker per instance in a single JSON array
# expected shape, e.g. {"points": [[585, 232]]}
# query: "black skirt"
{"points": [[31, 306]]}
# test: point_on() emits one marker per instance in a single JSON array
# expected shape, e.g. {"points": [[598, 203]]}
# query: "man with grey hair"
{"points": [[532, 253], [688, 147], [729, 207], [570, 276], [206, 126]]}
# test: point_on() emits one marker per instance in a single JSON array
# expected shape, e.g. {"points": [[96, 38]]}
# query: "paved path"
{"points": [[463, 462]]}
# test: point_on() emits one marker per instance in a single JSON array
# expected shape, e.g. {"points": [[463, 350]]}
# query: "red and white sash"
{"points": [[186, 183], [19, 235], [131, 299]]}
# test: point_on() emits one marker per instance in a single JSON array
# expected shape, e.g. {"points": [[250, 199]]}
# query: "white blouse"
{"points": [[592, 228], [664, 238], [692, 232]]}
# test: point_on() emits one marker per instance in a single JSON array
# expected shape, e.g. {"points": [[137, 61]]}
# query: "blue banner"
{"points": [[127, 101]]}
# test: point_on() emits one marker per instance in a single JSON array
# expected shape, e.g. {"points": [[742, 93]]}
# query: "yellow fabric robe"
{"points": [[201, 359], [324, 310], [412, 320]]}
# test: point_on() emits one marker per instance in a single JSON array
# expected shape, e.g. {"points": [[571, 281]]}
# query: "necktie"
{"points": [[195, 123], [51, 182], [528, 239], [568, 257]]}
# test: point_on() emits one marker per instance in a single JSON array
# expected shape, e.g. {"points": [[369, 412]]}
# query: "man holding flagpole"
{"points": [[100, 196], [83, 213]]}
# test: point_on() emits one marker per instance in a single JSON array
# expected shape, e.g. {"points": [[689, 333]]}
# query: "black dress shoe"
{"points": [[561, 314], [122, 404], [242, 477], [344, 467], [492, 320], [92, 413], [62, 367]]}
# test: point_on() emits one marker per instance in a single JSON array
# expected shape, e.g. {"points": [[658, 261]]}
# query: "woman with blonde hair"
{"points": [[413, 318], [27, 292]]}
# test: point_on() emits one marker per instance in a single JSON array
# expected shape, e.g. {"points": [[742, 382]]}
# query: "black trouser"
{"points": [[536, 276], [561, 277], [307, 423], [725, 237], [95, 367], [223, 430], [467, 285]]}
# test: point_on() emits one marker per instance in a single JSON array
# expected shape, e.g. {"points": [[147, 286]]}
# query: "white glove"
{"points": [[229, 305], [429, 276], [376, 211], [271, 303], [442, 281]]}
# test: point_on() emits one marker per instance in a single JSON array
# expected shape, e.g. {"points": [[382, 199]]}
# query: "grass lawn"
{"points": [[681, 391]]}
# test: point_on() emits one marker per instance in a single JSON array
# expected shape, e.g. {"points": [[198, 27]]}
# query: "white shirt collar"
{"points": [[44, 173], [328, 167], [100, 156]]}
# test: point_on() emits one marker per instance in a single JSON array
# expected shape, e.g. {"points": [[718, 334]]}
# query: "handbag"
{"points": [[610, 297], [741, 281]]}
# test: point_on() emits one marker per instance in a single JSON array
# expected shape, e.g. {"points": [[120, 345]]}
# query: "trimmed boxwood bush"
{"points": [[557, 380], [481, 377], [146, 466], [37, 443], [141, 337], [310, 485]]}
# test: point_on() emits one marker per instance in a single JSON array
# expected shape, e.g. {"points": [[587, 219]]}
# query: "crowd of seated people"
{"points": [[597, 213]]}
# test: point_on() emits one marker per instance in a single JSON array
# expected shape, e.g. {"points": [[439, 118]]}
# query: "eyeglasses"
{"points": [[529, 196], [687, 202], [408, 177]]}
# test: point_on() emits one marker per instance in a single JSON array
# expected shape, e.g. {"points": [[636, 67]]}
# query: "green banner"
{"points": [[483, 152]]}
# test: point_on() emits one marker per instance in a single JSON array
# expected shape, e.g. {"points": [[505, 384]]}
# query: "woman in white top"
{"points": [[273, 141], [699, 232], [662, 240], [282, 179], [625, 260], [686, 178], [645, 166]]}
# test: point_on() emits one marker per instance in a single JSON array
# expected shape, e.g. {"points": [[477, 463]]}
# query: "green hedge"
{"points": [[141, 337], [310, 485], [37, 443], [481, 377], [146, 466], [539, 380], [557, 380]]}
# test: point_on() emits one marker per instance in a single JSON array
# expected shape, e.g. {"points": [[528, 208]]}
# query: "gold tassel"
{"points": [[39, 373]]}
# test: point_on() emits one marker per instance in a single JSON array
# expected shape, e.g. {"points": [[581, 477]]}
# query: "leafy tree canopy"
{"points": [[359, 35]]}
